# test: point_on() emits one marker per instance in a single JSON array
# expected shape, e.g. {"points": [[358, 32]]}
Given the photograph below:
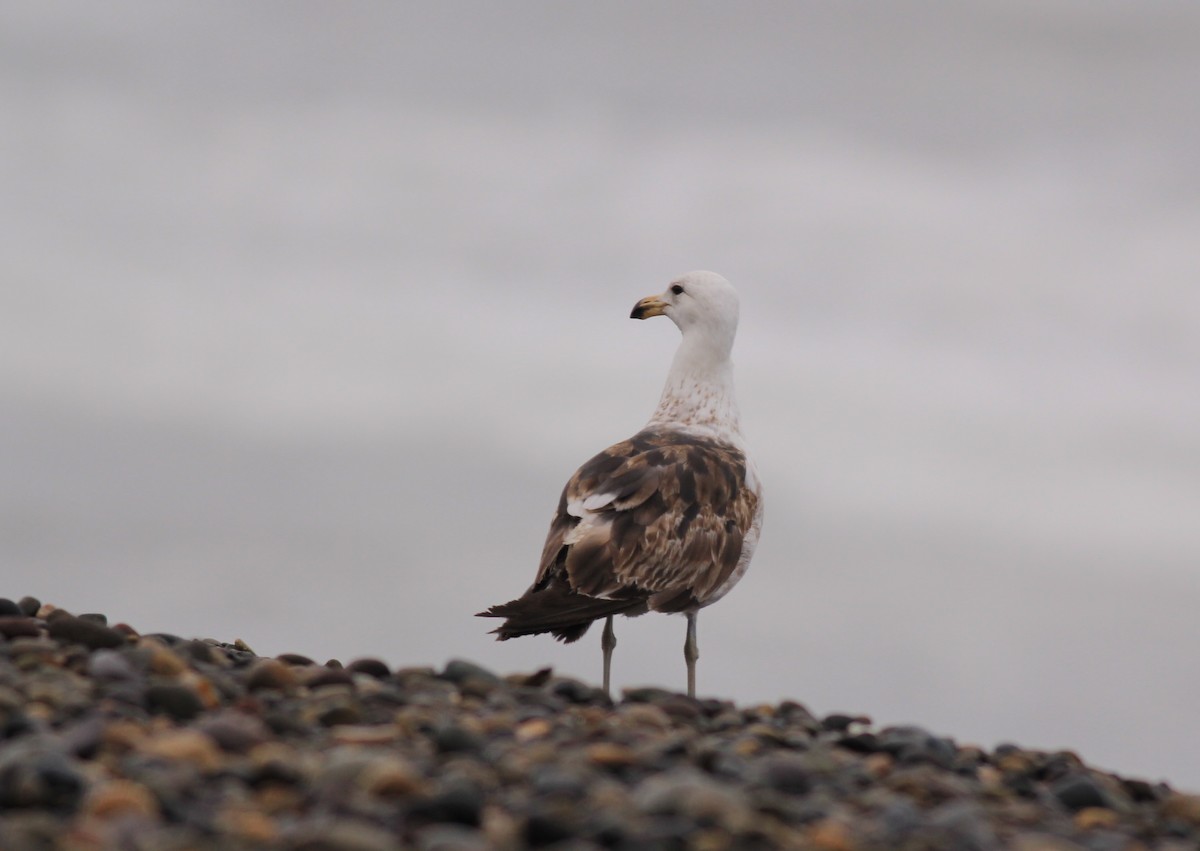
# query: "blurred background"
{"points": [[308, 311]]}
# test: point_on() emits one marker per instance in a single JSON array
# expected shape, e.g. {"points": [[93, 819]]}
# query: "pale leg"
{"points": [[691, 653], [608, 640]]}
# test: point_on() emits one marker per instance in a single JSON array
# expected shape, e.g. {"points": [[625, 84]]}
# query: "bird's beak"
{"points": [[651, 305]]}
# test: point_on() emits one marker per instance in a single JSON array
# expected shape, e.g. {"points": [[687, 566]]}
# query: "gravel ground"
{"points": [[113, 739]]}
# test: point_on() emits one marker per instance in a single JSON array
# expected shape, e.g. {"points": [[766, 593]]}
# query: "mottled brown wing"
{"points": [[660, 516]]}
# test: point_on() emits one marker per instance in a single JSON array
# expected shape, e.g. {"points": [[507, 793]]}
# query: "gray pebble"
{"points": [[450, 837], [785, 772], [179, 702], [911, 745], [694, 795], [341, 834], [460, 670], [296, 660], [36, 774], [1078, 791], [454, 738], [233, 731], [111, 665], [247, 752]]}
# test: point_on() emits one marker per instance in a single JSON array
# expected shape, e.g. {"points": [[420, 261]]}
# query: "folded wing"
{"points": [[656, 522]]}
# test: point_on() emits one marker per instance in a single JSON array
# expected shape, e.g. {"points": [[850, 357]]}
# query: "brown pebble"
{"points": [[203, 687], [747, 746], [417, 671], [13, 626], [253, 826], [119, 799], [189, 746], [339, 712], [162, 660], [1183, 807], [90, 634], [766, 732], [318, 676], [534, 728], [990, 777], [830, 835], [1045, 842], [371, 667], [710, 840], [644, 715], [295, 659], [611, 755], [592, 717], [271, 674], [365, 734], [500, 828], [1017, 762], [41, 712], [391, 777], [123, 735], [1094, 817], [879, 765], [274, 798], [275, 755]]}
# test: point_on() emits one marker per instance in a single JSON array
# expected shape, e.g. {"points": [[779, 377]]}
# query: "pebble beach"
{"points": [[110, 738]]}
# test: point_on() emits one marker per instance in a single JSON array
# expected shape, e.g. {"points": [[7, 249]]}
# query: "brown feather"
{"points": [[664, 530]]}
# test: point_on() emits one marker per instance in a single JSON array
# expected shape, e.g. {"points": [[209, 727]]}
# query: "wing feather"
{"points": [[662, 515]]}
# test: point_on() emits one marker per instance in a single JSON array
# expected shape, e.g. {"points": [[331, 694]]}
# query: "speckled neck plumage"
{"points": [[698, 394]]}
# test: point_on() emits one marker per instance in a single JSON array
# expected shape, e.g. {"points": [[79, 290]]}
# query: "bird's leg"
{"points": [[608, 640], [691, 653]]}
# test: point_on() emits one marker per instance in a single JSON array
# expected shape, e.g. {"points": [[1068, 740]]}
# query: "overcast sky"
{"points": [[308, 310]]}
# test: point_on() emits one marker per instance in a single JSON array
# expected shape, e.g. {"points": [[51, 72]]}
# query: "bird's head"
{"points": [[698, 300]]}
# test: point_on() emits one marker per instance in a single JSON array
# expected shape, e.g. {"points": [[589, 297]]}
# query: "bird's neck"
{"points": [[699, 393]]}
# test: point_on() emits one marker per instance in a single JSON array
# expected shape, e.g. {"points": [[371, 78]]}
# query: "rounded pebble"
{"points": [[15, 626], [111, 739], [120, 799], [371, 667], [88, 633], [271, 674], [177, 701]]}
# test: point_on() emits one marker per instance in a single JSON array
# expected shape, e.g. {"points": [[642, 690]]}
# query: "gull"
{"points": [[666, 521]]}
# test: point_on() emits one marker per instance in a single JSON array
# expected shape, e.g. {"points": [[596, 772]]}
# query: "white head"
{"points": [[700, 303], [699, 388]]}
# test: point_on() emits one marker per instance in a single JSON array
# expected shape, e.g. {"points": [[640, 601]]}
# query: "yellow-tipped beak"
{"points": [[651, 305]]}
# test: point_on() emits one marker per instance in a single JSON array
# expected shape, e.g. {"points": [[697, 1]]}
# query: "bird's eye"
{"points": [[678, 290]]}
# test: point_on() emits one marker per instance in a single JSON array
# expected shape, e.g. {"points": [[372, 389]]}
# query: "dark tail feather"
{"points": [[564, 614]]}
